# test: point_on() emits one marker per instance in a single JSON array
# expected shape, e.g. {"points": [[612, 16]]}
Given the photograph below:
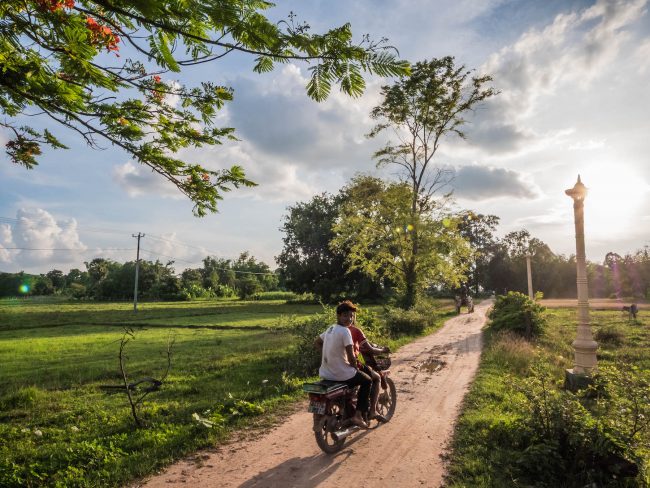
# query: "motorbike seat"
{"points": [[323, 386]]}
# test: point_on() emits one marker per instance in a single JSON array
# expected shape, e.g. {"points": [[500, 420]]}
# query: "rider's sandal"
{"points": [[358, 422], [379, 418]]}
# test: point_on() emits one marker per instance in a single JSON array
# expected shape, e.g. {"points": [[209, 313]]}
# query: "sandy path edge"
{"points": [[405, 452]]}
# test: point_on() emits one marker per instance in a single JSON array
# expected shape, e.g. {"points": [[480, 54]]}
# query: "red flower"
{"points": [[55, 5], [102, 35]]}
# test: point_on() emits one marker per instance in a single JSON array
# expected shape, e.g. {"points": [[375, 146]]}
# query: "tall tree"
{"points": [[218, 271], [420, 110], [478, 229], [249, 270], [377, 228], [306, 262], [59, 59], [57, 278]]}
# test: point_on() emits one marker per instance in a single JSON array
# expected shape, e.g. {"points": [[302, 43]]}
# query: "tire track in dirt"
{"points": [[432, 376]]}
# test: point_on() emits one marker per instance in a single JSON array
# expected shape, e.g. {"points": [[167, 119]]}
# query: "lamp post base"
{"points": [[574, 381]]}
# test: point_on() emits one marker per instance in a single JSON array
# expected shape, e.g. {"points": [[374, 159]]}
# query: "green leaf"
{"points": [[264, 64], [163, 45]]}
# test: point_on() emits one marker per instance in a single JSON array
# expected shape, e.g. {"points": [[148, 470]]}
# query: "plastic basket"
{"points": [[383, 362]]}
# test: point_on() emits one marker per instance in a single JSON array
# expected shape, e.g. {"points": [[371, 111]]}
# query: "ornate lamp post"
{"points": [[584, 344]]}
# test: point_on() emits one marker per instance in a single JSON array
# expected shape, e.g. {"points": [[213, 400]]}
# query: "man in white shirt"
{"points": [[338, 362]]}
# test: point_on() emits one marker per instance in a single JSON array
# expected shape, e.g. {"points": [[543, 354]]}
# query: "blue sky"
{"points": [[573, 77]]}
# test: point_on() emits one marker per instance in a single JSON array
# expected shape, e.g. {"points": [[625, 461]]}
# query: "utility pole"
{"points": [[137, 268], [530, 278]]}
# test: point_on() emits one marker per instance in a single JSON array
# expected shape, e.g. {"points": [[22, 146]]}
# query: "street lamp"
{"points": [[584, 345]]}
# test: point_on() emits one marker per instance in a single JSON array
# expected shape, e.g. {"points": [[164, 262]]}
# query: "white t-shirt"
{"points": [[334, 363]]}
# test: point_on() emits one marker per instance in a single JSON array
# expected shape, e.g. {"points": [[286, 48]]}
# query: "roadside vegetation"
{"points": [[235, 365], [519, 427]]}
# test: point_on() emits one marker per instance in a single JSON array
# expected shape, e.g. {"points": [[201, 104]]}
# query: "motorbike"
{"points": [[333, 404]]}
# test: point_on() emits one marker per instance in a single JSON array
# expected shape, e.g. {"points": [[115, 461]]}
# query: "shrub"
{"points": [[304, 299], [517, 313], [24, 397], [410, 322], [248, 286], [275, 295], [76, 290], [224, 291], [570, 440], [195, 291], [372, 325], [612, 335], [305, 359], [510, 351]]}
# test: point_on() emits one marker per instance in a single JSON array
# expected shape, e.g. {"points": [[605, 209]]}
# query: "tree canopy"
{"points": [[377, 228], [102, 68], [309, 264], [420, 110]]}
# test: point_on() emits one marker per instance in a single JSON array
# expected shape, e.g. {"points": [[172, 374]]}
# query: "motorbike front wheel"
{"points": [[387, 400]]}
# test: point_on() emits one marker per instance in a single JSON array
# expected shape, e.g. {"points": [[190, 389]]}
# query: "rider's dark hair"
{"points": [[345, 306]]}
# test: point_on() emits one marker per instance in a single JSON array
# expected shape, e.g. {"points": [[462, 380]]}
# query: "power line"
{"points": [[14, 221], [9, 220], [181, 243], [167, 256], [64, 249], [220, 269]]}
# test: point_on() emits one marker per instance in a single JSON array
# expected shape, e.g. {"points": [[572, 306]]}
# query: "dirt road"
{"points": [[432, 376]]}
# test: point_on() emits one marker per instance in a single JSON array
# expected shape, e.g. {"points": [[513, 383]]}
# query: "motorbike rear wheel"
{"points": [[387, 401], [328, 424]]}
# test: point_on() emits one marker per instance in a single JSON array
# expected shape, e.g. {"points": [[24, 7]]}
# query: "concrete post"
{"points": [[530, 278], [584, 345]]}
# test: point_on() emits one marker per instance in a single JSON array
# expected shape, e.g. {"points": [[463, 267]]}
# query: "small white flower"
{"points": [[24, 430], [38, 433], [265, 382], [74, 428]]}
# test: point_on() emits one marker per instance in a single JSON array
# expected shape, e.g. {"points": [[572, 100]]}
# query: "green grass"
{"points": [[59, 428], [21, 314], [488, 441]]}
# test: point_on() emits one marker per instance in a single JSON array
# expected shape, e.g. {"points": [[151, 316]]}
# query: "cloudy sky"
{"points": [[573, 77]]}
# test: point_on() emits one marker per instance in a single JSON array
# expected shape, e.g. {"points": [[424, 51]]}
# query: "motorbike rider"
{"points": [[338, 361], [368, 350]]}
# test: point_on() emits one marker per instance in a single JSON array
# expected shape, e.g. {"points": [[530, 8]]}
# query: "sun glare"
{"points": [[615, 195]]}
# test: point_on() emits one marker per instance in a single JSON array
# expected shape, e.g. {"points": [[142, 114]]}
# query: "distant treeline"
{"points": [[499, 267], [105, 279], [310, 263], [623, 277]]}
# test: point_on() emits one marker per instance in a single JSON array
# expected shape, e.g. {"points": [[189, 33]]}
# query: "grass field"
{"points": [[496, 443], [60, 428]]}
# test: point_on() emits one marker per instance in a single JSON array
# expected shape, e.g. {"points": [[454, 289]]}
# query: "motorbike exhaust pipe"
{"points": [[342, 434]]}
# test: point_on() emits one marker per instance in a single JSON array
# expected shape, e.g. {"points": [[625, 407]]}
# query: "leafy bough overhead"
{"points": [[60, 60]]}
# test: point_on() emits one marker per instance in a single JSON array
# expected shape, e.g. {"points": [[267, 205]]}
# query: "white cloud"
{"points": [[568, 54], [139, 180], [588, 145], [6, 240], [641, 57], [42, 239]]}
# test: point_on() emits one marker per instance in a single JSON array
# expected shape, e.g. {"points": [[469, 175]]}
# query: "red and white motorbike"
{"points": [[334, 404]]}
